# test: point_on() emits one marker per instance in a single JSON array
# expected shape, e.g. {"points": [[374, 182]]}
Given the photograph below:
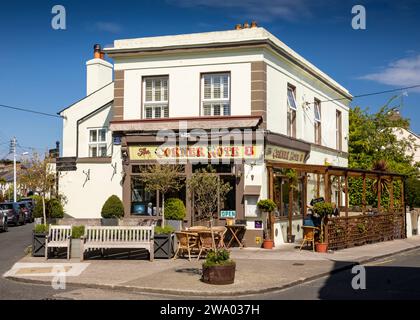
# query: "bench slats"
{"points": [[98, 237]]}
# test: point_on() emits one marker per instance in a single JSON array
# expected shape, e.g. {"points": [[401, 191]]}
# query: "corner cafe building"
{"points": [[253, 161]]}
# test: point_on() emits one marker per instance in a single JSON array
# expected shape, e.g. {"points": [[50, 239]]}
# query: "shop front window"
{"points": [[143, 203], [282, 193]]}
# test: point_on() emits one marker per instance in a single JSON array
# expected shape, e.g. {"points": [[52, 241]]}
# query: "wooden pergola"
{"points": [[342, 173]]}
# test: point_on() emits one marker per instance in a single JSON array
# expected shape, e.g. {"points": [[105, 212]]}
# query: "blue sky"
{"points": [[44, 69]]}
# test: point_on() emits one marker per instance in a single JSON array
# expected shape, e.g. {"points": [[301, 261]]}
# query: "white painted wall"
{"points": [[99, 73], [79, 110], [184, 83], [403, 134], [280, 73], [85, 200]]}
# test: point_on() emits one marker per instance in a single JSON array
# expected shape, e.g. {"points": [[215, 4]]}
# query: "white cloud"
{"points": [[402, 73], [110, 27], [259, 10]]}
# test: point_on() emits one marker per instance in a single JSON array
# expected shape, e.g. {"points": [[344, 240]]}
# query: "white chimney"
{"points": [[99, 71]]}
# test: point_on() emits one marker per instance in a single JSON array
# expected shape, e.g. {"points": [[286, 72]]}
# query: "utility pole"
{"points": [[13, 150]]}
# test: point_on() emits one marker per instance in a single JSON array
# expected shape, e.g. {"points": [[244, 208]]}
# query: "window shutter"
{"points": [[149, 113], [216, 87], [166, 112], [157, 112], [216, 109], [207, 87], [149, 86], [225, 86], [165, 89], [226, 109], [207, 110]]}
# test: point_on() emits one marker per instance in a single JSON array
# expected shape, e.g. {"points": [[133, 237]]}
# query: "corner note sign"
{"points": [[229, 214]]}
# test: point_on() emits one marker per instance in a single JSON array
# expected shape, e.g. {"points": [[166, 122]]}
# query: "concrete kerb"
{"points": [[195, 293]]}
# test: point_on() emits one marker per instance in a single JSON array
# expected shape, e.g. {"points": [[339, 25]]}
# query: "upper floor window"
{"points": [[291, 111], [317, 121], [215, 94], [155, 97], [338, 130], [98, 143]]}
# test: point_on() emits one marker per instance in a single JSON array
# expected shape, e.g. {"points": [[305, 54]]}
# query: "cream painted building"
{"points": [[278, 108]]}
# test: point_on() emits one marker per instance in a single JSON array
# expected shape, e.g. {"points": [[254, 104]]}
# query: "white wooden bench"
{"points": [[124, 237], [58, 237]]}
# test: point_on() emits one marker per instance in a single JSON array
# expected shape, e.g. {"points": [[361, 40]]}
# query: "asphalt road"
{"points": [[12, 248], [396, 277]]}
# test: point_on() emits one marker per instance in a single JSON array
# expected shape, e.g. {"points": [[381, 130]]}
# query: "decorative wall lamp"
{"points": [[87, 174]]}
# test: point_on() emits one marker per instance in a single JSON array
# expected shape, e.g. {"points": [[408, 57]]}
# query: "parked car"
{"points": [[3, 220], [28, 210], [15, 213]]}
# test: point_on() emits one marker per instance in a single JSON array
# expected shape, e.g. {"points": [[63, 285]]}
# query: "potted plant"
{"points": [[38, 240], [323, 210], [164, 242], [208, 191], [55, 210], [76, 233], [218, 268], [175, 213], [112, 210], [267, 206]]}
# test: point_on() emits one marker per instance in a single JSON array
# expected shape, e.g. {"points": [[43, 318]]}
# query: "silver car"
{"points": [[3, 220]]}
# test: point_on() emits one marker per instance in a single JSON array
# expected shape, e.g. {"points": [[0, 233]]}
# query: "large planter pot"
{"points": [[321, 247], [224, 274], [38, 244], [268, 244], [75, 248], [164, 246], [109, 222], [176, 224]]}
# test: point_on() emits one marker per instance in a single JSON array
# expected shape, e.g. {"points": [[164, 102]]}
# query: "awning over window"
{"points": [[252, 190]]}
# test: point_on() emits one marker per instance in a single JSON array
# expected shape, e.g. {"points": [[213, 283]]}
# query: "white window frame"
{"points": [[221, 103], [291, 111], [317, 121], [157, 106], [98, 143]]}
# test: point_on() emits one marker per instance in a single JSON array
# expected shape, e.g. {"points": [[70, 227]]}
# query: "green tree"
{"points": [[207, 189], [162, 178], [39, 177], [374, 145]]}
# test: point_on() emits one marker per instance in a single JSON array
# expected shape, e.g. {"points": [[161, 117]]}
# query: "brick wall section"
{"points": [[118, 107], [259, 90]]}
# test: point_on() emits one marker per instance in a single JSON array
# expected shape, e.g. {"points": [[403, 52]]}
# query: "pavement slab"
{"points": [[257, 270]]}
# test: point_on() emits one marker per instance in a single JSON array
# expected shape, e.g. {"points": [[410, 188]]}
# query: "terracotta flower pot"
{"points": [[268, 244], [321, 247]]}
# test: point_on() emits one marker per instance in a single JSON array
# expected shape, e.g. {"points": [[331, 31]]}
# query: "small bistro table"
{"points": [[235, 230]]}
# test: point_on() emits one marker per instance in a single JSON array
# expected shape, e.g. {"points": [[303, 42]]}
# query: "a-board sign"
{"points": [[228, 214], [317, 200]]}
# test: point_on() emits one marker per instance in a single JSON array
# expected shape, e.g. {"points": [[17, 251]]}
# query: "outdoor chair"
{"points": [[309, 234], [187, 241], [206, 242], [220, 233]]}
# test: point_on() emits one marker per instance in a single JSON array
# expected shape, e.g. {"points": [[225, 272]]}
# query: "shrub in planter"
{"points": [[38, 240], [175, 212], [323, 210], [218, 268], [267, 206], [76, 233], [164, 242], [112, 210]]}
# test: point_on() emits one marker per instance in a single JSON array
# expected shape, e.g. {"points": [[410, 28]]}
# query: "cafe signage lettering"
{"points": [[194, 152], [280, 154]]}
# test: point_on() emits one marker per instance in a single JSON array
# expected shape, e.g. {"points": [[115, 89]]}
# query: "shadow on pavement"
{"points": [[382, 282]]}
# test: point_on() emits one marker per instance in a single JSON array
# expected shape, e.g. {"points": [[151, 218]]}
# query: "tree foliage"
{"points": [[373, 145], [162, 178]]}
